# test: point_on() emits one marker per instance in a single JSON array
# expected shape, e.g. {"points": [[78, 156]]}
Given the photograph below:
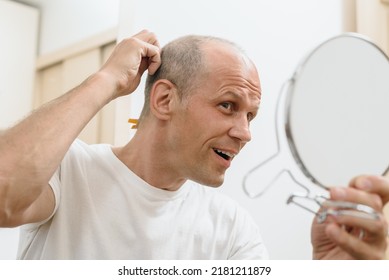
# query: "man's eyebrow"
{"points": [[232, 94], [238, 96]]}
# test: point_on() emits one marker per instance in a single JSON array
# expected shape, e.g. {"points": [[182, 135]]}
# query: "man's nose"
{"points": [[241, 130]]}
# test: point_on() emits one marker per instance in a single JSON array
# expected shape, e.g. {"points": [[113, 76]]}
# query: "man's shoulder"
{"points": [[80, 149], [80, 145]]}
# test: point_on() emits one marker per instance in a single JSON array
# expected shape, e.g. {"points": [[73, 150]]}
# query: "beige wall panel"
{"points": [[386, 24], [107, 51], [372, 21], [55, 80], [75, 70], [349, 15], [48, 84]]}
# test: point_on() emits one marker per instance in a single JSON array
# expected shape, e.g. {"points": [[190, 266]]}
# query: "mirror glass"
{"points": [[338, 111]]}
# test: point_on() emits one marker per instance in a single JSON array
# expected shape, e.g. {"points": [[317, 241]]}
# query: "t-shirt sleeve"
{"points": [[54, 184], [248, 243]]}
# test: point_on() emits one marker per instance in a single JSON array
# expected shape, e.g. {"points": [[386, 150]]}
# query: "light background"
{"points": [[276, 35]]}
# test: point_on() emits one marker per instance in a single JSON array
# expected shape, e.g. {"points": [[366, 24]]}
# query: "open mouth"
{"points": [[224, 154]]}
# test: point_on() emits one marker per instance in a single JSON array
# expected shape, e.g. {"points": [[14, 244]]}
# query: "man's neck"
{"points": [[149, 161]]}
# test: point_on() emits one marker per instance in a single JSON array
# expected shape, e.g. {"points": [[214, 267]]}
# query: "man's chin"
{"points": [[214, 182]]}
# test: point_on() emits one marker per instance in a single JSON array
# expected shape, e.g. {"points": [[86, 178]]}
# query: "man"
{"points": [[101, 202]]}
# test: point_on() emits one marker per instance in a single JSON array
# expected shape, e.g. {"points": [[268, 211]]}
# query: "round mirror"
{"points": [[338, 111], [336, 117]]}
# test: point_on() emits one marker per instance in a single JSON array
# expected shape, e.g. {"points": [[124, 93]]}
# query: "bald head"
{"points": [[183, 62]]}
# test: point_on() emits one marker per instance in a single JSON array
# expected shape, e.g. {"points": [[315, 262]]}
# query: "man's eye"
{"points": [[226, 105]]}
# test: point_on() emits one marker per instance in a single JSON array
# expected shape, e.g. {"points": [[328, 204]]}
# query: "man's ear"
{"points": [[162, 96]]}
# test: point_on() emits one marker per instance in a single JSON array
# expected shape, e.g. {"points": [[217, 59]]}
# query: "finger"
{"points": [[352, 244], [372, 184], [148, 37], [154, 57], [150, 50], [357, 196], [375, 229]]}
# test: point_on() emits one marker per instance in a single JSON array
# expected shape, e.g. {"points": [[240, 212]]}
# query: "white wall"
{"points": [[18, 37], [276, 35], [64, 22]]}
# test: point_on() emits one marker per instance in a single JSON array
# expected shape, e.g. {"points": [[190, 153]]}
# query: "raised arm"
{"points": [[31, 151]]}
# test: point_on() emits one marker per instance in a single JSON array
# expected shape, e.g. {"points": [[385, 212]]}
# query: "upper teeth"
{"points": [[226, 153]]}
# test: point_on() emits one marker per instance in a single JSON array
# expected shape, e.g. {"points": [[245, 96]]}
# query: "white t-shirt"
{"points": [[105, 211]]}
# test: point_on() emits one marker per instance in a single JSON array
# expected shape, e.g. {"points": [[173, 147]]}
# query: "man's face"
{"points": [[212, 126]]}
